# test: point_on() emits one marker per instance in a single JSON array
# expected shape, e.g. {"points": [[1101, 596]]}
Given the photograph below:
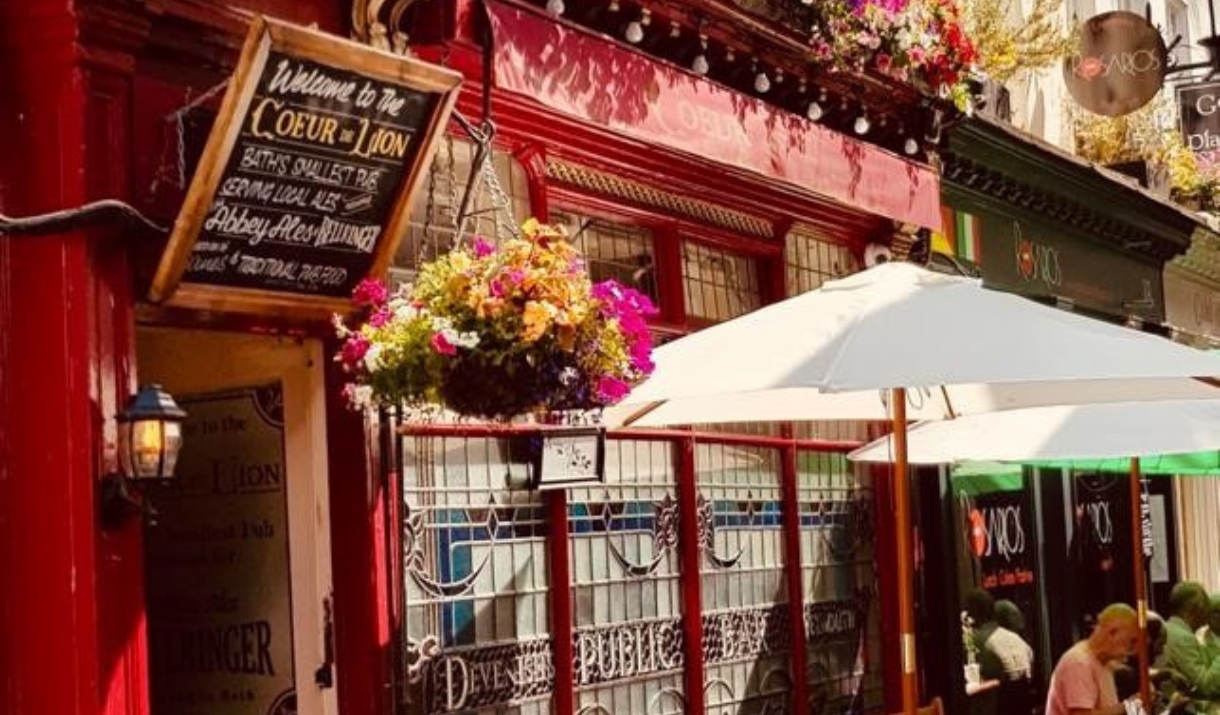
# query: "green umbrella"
{"points": [[1192, 464]]}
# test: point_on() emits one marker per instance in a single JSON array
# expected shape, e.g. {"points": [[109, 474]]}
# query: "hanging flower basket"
{"points": [[493, 331], [922, 42]]}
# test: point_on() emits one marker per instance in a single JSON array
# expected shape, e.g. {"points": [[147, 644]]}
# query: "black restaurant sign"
{"points": [[305, 183], [1199, 107]]}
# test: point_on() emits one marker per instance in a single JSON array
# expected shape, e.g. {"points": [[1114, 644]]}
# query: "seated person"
{"points": [[1189, 609]]}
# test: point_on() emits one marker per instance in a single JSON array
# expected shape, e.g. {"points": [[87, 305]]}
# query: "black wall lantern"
{"points": [[150, 437]]}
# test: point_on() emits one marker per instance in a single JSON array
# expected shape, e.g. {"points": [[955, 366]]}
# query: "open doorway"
{"points": [[237, 558]]}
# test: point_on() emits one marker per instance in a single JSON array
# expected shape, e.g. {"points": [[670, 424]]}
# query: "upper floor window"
{"points": [[719, 285], [812, 259], [431, 230], [1178, 16], [612, 250]]}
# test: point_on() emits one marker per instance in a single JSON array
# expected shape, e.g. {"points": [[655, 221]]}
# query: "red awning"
{"points": [[590, 78]]}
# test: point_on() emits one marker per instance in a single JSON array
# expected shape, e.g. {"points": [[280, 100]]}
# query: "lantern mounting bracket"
{"points": [[117, 502]]}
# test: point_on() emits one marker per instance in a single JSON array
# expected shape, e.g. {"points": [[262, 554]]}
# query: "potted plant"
{"points": [[496, 330]]}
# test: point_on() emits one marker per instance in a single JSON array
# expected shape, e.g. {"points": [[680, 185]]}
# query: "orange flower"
{"points": [[537, 319]]}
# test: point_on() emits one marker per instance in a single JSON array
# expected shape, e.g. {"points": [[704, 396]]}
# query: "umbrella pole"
{"points": [[1141, 583], [905, 556]]}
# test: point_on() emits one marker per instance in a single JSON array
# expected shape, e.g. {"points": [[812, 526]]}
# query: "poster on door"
{"points": [[217, 568]]}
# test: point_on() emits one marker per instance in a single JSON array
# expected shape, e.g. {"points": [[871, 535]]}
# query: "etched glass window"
{"points": [[613, 251], [718, 285], [839, 582], [625, 584], [811, 259], [746, 633], [475, 582]]}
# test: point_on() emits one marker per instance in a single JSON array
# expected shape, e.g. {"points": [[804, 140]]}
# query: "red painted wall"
{"points": [[72, 640]]}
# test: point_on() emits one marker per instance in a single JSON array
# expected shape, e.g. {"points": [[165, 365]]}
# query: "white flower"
{"points": [[468, 339], [372, 358], [403, 310], [441, 324], [362, 397], [340, 328]]}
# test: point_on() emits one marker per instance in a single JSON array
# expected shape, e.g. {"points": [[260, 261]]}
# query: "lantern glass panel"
{"points": [[173, 444], [148, 445]]}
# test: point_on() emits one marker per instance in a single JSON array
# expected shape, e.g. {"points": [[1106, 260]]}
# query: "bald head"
{"points": [[1115, 634]]}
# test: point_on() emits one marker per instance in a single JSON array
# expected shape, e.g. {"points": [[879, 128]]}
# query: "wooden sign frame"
{"points": [[267, 35]]}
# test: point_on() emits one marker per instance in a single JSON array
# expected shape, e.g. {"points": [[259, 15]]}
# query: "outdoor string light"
{"points": [[634, 32], [555, 7], [699, 65], [635, 28], [762, 83], [861, 125]]}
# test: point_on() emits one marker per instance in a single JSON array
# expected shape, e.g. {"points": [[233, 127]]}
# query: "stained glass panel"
{"points": [[839, 582], [745, 599], [625, 585], [475, 582]]}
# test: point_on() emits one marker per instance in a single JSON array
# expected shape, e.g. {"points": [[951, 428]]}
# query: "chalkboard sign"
{"points": [[305, 184]]}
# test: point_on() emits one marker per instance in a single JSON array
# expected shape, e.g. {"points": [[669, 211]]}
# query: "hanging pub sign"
{"points": [[1119, 65], [305, 184], [1199, 109]]}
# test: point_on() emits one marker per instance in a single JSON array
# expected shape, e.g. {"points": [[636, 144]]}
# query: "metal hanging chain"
{"points": [[176, 175], [500, 202]]}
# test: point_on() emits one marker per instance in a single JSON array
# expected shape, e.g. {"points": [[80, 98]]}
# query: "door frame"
{"points": [[187, 361]]}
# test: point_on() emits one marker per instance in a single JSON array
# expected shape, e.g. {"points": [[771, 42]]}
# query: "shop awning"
{"points": [[590, 78]]}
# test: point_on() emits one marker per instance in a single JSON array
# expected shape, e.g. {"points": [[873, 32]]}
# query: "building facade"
{"points": [[311, 560]]}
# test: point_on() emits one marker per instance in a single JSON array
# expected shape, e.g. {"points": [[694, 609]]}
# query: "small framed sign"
{"points": [[305, 184], [563, 457]]}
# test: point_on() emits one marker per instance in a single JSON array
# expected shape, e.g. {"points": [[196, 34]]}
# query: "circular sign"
{"points": [[1119, 66]]}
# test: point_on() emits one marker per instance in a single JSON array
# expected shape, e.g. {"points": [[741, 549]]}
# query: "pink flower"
{"points": [[353, 350], [380, 317], [370, 292], [442, 345], [641, 357], [483, 247], [516, 275], [611, 390], [496, 288], [884, 62]]}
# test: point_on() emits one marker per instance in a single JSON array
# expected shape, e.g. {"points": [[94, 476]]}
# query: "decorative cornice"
{"points": [[996, 164], [641, 194]]}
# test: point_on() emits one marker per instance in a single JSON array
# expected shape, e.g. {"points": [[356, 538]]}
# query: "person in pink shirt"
{"points": [[1083, 683]]}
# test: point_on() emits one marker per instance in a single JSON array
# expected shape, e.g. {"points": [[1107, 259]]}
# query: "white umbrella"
{"points": [[959, 349], [1095, 431], [963, 349]]}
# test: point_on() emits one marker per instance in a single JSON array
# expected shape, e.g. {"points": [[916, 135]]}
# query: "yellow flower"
{"points": [[537, 318]]}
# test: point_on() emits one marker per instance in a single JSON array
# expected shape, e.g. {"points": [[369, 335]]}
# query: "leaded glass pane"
{"points": [[746, 629], [612, 250], [430, 231], [475, 582], [718, 285], [625, 584], [811, 259], [839, 582]]}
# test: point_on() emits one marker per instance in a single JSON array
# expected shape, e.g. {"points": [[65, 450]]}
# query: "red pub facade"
{"points": [[283, 575], [311, 560]]}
